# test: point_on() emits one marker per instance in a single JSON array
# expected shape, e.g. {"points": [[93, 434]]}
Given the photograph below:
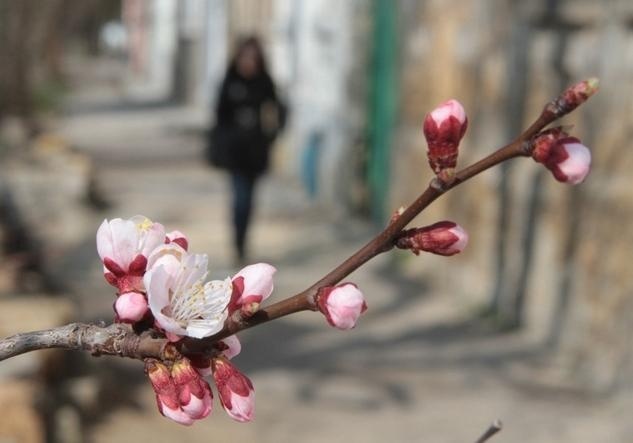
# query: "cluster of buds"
{"points": [[183, 395], [565, 156], [161, 285], [444, 128]]}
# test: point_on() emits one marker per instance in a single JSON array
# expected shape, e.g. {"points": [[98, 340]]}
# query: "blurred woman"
{"points": [[249, 116]]}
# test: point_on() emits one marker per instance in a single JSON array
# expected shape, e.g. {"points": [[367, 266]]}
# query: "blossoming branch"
{"points": [[183, 325]]}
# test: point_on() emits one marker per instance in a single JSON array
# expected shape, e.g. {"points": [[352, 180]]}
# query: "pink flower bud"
{"points": [[166, 392], [573, 97], [130, 307], [235, 390], [342, 305], [444, 128], [567, 158], [575, 164], [194, 393], [251, 286], [442, 238], [177, 237]]}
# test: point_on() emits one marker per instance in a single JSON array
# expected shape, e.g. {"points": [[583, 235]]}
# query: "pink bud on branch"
{"points": [[181, 394], [442, 238], [572, 97], [567, 158], [444, 128], [166, 392], [194, 393], [235, 390], [251, 286], [131, 307], [342, 305]]}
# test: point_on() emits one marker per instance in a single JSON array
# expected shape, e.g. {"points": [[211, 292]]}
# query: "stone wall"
{"points": [[466, 49]]}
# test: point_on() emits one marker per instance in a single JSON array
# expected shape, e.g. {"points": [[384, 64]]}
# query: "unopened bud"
{"points": [[194, 393], [444, 128], [566, 157], [235, 390], [251, 286], [573, 97], [167, 398], [130, 307], [441, 238], [342, 305]]}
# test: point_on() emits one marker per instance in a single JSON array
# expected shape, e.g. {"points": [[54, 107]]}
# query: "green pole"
{"points": [[382, 106]]}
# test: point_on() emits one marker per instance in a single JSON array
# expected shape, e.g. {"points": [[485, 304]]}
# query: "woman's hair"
{"points": [[249, 42]]}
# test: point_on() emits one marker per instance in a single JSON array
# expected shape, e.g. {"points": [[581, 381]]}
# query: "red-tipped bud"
{"points": [[444, 128], [442, 238], [573, 97], [342, 305], [235, 390], [130, 307], [194, 393], [167, 398], [567, 158], [251, 286]]}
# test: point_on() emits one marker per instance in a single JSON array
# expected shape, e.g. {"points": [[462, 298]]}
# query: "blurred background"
{"points": [[105, 108]]}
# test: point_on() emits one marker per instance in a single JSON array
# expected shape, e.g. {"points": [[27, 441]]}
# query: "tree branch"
{"points": [[115, 339], [121, 340]]}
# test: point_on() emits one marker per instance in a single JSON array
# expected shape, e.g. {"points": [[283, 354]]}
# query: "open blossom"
{"points": [[130, 307], [124, 246], [182, 304], [235, 390], [251, 286], [342, 305], [182, 394], [441, 238], [444, 128]]}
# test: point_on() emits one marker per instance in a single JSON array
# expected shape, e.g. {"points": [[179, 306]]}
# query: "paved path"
{"points": [[414, 370]]}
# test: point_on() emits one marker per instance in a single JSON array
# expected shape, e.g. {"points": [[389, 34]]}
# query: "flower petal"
{"points": [[157, 285], [124, 242]]}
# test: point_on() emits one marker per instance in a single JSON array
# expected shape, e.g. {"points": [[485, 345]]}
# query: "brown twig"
{"points": [[115, 339], [495, 427], [122, 341]]}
